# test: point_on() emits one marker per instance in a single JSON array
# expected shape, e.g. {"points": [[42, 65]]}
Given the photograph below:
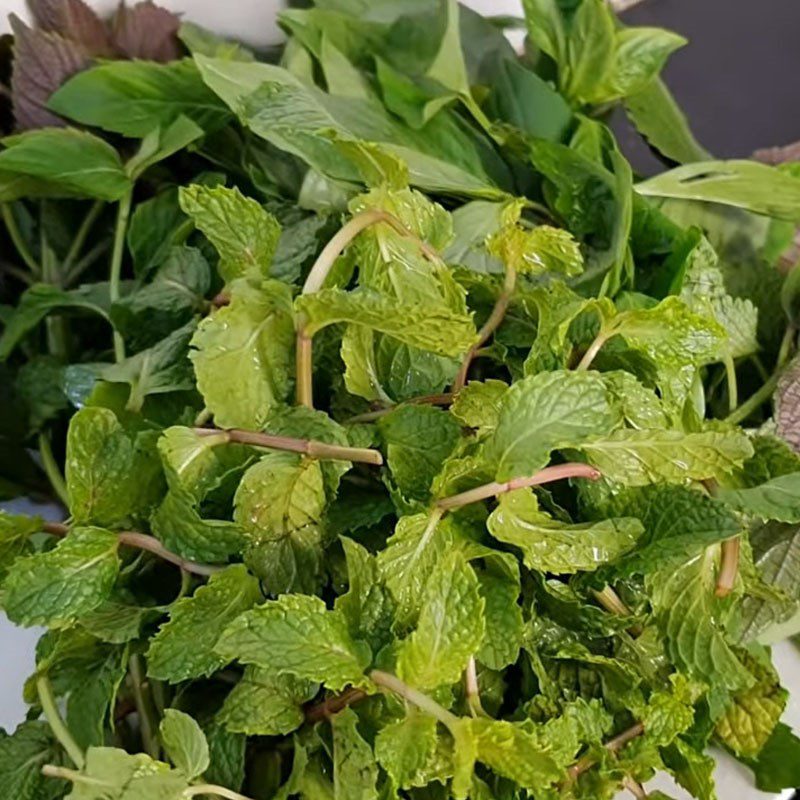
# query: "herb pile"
{"points": [[409, 445]]}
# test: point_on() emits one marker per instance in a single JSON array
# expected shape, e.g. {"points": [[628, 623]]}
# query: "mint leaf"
{"points": [[296, 635], [22, 756], [355, 773], [418, 543], [776, 767], [549, 545], [404, 748], [504, 624], [417, 439], [511, 751], [247, 345], [545, 412], [184, 646], [244, 234], [478, 404], [113, 474], [748, 723], [57, 587], [636, 458], [684, 602], [429, 327], [185, 743], [265, 704], [367, 604], [449, 630], [15, 532], [679, 523]]}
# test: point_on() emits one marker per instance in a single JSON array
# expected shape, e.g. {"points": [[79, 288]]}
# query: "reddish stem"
{"points": [[546, 475], [333, 705]]}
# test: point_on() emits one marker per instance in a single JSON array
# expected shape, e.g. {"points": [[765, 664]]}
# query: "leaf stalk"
{"points": [[546, 475], [490, 326], [309, 447], [60, 730]]}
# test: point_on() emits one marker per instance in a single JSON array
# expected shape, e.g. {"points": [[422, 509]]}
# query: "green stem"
{"points": [[787, 345], [594, 349], [52, 470], [83, 263], [755, 401], [489, 327], [733, 386], [210, 788], [18, 273], [18, 241], [420, 700], [144, 708], [304, 361], [316, 280], [83, 232], [57, 725], [54, 325], [115, 272]]}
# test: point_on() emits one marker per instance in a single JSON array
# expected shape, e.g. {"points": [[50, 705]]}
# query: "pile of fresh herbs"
{"points": [[409, 445]]}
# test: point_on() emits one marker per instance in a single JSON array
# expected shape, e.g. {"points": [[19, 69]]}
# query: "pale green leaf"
{"points": [[751, 718], [58, 586], [511, 751], [184, 646], [549, 545], [296, 635], [243, 354], [355, 773], [410, 555], [244, 234], [542, 249], [636, 458], [178, 524], [545, 412], [684, 602], [504, 625], [428, 327], [15, 532], [279, 496], [449, 630], [478, 404], [265, 704], [112, 474], [184, 742], [404, 748]]}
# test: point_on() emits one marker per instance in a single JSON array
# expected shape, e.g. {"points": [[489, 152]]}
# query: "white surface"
{"points": [[251, 21]]}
